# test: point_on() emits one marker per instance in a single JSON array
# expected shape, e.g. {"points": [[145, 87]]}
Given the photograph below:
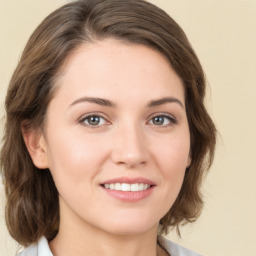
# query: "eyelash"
{"points": [[95, 115], [172, 120]]}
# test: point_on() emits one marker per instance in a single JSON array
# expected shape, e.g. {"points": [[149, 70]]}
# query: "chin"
{"points": [[128, 227]]}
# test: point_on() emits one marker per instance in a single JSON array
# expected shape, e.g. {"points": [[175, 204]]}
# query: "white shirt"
{"points": [[41, 248]]}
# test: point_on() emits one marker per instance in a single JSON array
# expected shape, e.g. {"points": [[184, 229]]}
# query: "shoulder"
{"points": [[41, 248], [174, 249], [29, 251]]}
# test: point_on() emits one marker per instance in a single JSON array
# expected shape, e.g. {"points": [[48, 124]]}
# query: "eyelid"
{"points": [[98, 114], [172, 118]]}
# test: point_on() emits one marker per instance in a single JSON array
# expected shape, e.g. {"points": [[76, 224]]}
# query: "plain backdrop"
{"points": [[223, 34]]}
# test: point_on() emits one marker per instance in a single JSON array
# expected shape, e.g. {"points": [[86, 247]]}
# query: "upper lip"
{"points": [[129, 180]]}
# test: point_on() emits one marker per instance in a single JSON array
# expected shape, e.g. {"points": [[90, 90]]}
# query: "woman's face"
{"points": [[116, 138]]}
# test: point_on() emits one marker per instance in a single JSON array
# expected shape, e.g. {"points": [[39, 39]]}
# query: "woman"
{"points": [[112, 139]]}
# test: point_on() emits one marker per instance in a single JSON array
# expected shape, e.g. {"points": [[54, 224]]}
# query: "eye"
{"points": [[163, 120], [93, 120]]}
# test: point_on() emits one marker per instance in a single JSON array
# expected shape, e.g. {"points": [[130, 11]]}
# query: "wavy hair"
{"points": [[32, 208]]}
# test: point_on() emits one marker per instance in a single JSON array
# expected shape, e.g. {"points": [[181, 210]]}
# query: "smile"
{"points": [[135, 187]]}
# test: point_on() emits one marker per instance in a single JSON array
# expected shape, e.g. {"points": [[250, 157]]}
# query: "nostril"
{"points": [[129, 153]]}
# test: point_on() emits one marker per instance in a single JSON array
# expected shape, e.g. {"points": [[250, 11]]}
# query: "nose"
{"points": [[129, 147]]}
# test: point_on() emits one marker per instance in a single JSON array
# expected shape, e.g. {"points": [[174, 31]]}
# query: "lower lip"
{"points": [[129, 196]]}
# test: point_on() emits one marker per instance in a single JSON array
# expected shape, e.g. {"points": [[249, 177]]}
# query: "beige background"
{"points": [[223, 34]]}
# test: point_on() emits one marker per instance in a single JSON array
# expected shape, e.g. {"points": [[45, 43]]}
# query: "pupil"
{"points": [[94, 120], [158, 120]]}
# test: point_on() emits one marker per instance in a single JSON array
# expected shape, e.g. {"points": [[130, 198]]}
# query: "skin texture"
{"points": [[127, 142]]}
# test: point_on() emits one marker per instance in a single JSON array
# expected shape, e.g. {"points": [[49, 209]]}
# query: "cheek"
{"points": [[74, 158], [173, 158], [174, 153]]}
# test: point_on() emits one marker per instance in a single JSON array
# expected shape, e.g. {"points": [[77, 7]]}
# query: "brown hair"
{"points": [[32, 199]]}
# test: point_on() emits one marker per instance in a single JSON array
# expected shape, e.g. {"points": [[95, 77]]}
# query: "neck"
{"points": [[104, 245], [81, 238]]}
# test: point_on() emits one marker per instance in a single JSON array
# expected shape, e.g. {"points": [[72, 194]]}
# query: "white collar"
{"points": [[41, 248], [174, 249]]}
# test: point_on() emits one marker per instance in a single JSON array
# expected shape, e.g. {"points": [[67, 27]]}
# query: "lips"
{"points": [[128, 189]]}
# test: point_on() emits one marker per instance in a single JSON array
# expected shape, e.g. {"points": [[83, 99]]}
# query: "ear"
{"points": [[189, 160], [36, 146]]}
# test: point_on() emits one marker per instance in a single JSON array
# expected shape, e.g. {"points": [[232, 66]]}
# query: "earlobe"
{"points": [[36, 146]]}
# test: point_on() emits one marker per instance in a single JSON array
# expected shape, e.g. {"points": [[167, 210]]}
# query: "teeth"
{"points": [[127, 187], [134, 187], [117, 186], [141, 186], [107, 186]]}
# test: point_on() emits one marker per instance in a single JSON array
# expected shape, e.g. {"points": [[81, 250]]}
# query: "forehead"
{"points": [[111, 68]]}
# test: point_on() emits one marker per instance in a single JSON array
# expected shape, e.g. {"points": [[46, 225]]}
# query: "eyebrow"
{"points": [[108, 103], [162, 101], [99, 101]]}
